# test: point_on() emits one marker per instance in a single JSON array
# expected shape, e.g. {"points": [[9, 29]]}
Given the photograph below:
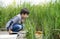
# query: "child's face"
{"points": [[25, 16]]}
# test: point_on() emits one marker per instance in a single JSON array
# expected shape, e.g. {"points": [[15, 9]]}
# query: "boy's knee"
{"points": [[20, 27], [17, 27]]}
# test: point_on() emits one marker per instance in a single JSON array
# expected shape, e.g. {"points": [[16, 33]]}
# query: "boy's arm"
{"points": [[9, 27], [10, 31], [10, 23]]}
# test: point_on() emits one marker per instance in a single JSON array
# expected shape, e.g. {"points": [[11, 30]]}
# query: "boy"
{"points": [[16, 23]]}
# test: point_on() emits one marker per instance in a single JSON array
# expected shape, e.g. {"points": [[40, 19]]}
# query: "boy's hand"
{"points": [[10, 31]]}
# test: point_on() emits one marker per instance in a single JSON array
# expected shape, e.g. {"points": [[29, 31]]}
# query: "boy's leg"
{"points": [[16, 28]]}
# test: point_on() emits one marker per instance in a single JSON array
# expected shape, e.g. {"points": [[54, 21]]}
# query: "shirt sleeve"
{"points": [[9, 24]]}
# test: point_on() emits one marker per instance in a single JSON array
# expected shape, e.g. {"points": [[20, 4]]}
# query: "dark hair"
{"points": [[24, 11]]}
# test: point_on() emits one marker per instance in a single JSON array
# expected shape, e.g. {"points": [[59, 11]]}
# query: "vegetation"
{"points": [[44, 17]]}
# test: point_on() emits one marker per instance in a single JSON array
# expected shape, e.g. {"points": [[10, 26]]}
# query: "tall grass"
{"points": [[44, 17]]}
